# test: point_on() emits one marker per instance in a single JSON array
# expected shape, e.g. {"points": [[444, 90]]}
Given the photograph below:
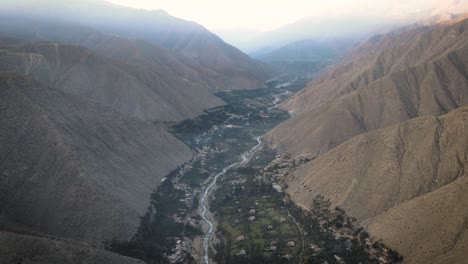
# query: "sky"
{"points": [[266, 15]]}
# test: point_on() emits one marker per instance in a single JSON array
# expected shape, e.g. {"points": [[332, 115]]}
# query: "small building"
{"points": [[240, 238], [291, 244], [272, 248], [241, 252]]}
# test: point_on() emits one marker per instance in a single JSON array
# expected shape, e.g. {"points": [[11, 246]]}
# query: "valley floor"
{"points": [[252, 220]]}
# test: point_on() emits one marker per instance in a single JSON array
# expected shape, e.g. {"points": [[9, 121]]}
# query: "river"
{"points": [[204, 201]]}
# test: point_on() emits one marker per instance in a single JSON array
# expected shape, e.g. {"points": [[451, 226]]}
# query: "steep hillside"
{"points": [[408, 181], [24, 248], [382, 143], [149, 93], [379, 58], [197, 46], [76, 169], [430, 229], [399, 77]]}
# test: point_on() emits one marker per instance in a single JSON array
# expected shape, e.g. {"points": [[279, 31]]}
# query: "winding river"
{"points": [[204, 203]]}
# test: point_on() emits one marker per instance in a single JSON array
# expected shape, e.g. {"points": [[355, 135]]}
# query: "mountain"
{"points": [[29, 248], [76, 169], [322, 28], [81, 144], [406, 181], [436, 19], [389, 79], [148, 93], [198, 47], [305, 57], [307, 50], [385, 127], [357, 24]]}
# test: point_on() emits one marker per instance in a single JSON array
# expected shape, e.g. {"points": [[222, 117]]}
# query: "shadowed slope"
{"points": [[148, 93], [23, 248], [228, 68], [76, 169]]}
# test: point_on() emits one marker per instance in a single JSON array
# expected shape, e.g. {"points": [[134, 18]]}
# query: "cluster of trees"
{"points": [[154, 238], [324, 226]]}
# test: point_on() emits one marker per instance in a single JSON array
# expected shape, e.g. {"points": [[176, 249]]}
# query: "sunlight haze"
{"points": [[233, 132], [265, 15]]}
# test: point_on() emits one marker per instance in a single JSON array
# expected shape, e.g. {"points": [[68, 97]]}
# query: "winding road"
{"points": [[204, 201]]}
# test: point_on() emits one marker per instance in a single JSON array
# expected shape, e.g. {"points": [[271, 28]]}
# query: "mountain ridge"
{"points": [[430, 80], [394, 181], [385, 129], [195, 44], [139, 91], [76, 169]]}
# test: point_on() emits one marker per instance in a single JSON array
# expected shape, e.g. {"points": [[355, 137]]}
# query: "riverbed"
{"points": [[204, 202]]}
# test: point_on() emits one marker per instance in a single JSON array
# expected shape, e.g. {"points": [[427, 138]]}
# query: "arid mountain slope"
{"points": [[423, 74], [379, 58], [187, 38], [24, 248], [408, 181], [201, 47], [76, 169], [127, 50], [385, 148], [148, 93], [432, 228], [197, 47]]}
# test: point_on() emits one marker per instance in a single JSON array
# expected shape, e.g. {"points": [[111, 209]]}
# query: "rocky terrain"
{"points": [[381, 145], [389, 79], [76, 169], [396, 165], [219, 65], [149, 93], [25, 248]]}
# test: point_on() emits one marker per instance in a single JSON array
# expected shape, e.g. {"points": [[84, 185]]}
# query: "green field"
{"points": [[263, 239]]}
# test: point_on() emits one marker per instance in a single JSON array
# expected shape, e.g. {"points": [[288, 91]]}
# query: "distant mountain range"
{"points": [[308, 56], [357, 27], [304, 57], [196, 47], [306, 50], [317, 29]]}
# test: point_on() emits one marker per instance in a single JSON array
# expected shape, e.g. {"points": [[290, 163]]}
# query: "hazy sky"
{"points": [[264, 15]]}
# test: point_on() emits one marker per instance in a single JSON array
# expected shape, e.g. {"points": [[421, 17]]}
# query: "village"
{"points": [[255, 219]]}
